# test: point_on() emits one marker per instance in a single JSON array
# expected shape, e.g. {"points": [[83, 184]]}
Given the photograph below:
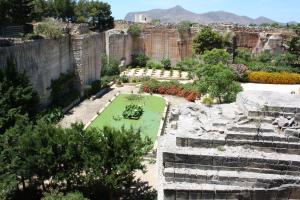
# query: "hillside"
{"points": [[178, 13]]}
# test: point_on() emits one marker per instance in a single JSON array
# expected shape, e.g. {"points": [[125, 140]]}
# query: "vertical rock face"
{"points": [[165, 42], [162, 43], [119, 46], [87, 51], [44, 60], [247, 39]]}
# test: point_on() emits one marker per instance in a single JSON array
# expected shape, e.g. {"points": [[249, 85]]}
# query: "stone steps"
{"points": [[193, 191], [263, 136], [276, 146], [214, 159], [233, 178], [266, 128]]}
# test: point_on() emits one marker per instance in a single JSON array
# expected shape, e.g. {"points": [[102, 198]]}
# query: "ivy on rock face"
{"points": [[133, 111]]}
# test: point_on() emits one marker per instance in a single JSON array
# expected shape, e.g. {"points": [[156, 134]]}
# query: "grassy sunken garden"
{"points": [[142, 112]]}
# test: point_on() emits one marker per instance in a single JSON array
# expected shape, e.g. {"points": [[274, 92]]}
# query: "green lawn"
{"points": [[148, 123]]}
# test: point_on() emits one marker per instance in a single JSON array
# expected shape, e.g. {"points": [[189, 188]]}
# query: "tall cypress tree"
{"points": [[21, 11]]}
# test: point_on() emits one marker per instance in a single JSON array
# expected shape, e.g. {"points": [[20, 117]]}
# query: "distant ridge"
{"points": [[178, 13]]}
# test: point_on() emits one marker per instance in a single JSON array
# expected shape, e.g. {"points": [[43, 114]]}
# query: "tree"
{"points": [[207, 39], [295, 43], [21, 11], [216, 56], [166, 63], [134, 30], [105, 20], [41, 9], [17, 96], [121, 154], [218, 82], [56, 195], [4, 12], [82, 11], [63, 9]]}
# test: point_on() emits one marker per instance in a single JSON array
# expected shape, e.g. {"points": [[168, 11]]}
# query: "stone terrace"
{"points": [[246, 150]]}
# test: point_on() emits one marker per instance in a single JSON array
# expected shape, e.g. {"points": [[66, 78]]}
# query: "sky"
{"points": [[278, 10]]}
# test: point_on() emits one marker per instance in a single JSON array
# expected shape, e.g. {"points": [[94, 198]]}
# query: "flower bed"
{"points": [[188, 91], [274, 77]]}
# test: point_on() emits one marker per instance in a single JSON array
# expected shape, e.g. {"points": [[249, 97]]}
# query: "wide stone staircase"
{"points": [[224, 153]]}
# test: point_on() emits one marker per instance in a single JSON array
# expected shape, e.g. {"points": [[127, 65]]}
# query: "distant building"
{"points": [[141, 18]]}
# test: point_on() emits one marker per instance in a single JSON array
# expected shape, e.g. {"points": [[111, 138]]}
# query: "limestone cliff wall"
{"points": [[41, 60], [87, 50], [247, 39], [45, 60], [165, 42], [162, 43], [119, 45]]}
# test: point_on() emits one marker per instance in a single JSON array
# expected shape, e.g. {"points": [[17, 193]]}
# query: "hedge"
{"points": [[274, 77], [188, 91]]}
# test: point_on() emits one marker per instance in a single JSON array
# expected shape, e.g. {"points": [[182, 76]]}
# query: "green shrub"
{"points": [[187, 64], [208, 101], [153, 65], [243, 56], [64, 90], [133, 111], [49, 29], [139, 60], [166, 63], [96, 86], [124, 79], [216, 56], [135, 30], [110, 66], [265, 57]]}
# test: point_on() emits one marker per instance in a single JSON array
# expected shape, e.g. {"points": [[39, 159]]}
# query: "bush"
{"points": [[265, 57], [139, 60], [135, 30], [216, 56], [124, 79], [188, 91], [96, 86], [133, 111], [110, 66], [166, 63], [153, 65], [208, 101], [274, 78], [243, 55], [187, 64], [49, 29]]}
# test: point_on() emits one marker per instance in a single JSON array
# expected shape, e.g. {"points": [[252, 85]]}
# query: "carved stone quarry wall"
{"points": [[162, 43], [165, 42], [44, 60], [119, 46], [41, 60], [87, 50]]}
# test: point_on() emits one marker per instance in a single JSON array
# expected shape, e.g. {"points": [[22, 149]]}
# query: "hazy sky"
{"points": [[278, 10]]}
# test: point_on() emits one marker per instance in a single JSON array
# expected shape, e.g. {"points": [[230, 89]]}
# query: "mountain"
{"points": [[178, 13]]}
